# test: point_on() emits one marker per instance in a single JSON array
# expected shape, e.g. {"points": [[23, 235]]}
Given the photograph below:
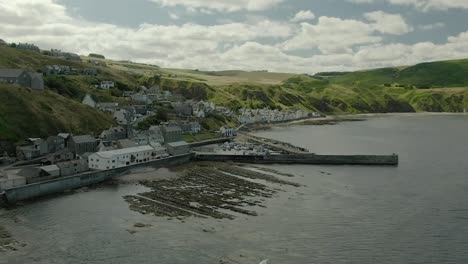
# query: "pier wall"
{"points": [[81, 180], [210, 142], [304, 159]]}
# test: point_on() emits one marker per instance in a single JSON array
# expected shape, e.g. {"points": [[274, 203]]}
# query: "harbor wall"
{"points": [[304, 159], [210, 142], [30, 191]]}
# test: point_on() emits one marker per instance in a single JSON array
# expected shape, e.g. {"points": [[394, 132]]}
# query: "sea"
{"points": [[416, 212]]}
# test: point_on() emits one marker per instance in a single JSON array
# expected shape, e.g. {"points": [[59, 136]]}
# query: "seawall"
{"points": [[210, 142], [390, 160], [81, 180]]}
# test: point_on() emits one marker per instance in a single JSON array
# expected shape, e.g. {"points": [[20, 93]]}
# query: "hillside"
{"points": [[425, 75], [31, 113], [437, 86]]}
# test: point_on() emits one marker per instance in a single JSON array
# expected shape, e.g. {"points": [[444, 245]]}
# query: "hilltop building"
{"points": [[22, 77], [106, 85], [27, 46]]}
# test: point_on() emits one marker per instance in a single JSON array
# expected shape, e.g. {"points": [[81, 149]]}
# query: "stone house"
{"points": [[227, 131], [113, 134], [35, 147], [128, 93], [105, 146], [2, 42], [196, 127], [55, 53], [108, 107], [140, 97], [171, 133], [27, 46], [125, 116], [66, 137], [178, 148], [90, 72], [106, 85], [141, 109], [182, 108], [60, 156], [73, 167], [55, 143], [82, 144], [22, 77], [156, 134], [71, 56], [126, 143]]}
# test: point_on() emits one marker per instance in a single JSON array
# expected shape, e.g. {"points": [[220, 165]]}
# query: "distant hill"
{"points": [[425, 75], [436, 86]]}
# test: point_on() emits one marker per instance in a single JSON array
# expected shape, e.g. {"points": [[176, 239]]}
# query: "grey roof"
{"points": [[83, 139], [68, 164], [50, 168], [2, 41], [64, 135], [126, 143], [10, 73], [178, 144], [173, 129]]}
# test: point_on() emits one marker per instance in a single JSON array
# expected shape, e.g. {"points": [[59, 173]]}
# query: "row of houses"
{"points": [[250, 116], [22, 77], [38, 147], [61, 54], [67, 70]]}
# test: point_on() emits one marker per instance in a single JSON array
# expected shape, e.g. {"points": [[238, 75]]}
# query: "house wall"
{"points": [[72, 167], [81, 148], [177, 150], [97, 162]]}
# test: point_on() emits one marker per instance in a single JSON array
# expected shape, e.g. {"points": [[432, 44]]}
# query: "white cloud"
{"points": [[423, 5], [386, 23], [221, 5], [432, 26], [339, 44], [173, 16], [303, 15]]}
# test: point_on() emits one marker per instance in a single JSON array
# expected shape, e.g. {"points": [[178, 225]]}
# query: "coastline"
{"points": [[335, 119]]}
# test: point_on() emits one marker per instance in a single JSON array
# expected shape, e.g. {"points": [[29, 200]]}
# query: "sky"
{"points": [[297, 36]]}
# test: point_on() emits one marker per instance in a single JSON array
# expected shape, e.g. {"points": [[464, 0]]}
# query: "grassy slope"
{"points": [[31, 113], [354, 92], [428, 75]]}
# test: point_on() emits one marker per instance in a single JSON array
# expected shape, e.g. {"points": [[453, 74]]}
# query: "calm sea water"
{"points": [[414, 213]]}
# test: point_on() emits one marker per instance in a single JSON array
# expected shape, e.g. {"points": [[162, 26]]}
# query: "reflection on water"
{"points": [[415, 213]]}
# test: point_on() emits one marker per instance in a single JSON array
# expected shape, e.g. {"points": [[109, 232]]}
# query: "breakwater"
{"points": [[30, 191], [384, 160], [210, 142]]}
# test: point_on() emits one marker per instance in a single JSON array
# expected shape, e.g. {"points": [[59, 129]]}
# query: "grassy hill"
{"points": [[436, 86], [31, 113], [425, 75]]}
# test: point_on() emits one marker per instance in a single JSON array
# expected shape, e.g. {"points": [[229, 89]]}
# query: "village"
{"points": [[131, 140]]}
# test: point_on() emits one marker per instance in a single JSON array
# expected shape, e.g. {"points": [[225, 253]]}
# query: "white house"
{"points": [[121, 157], [227, 131], [106, 85]]}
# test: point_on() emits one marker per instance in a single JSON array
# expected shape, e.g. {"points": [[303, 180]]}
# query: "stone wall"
{"points": [[77, 181]]}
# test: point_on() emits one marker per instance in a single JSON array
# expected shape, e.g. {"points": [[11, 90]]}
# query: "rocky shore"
{"points": [[7, 243], [209, 189]]}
